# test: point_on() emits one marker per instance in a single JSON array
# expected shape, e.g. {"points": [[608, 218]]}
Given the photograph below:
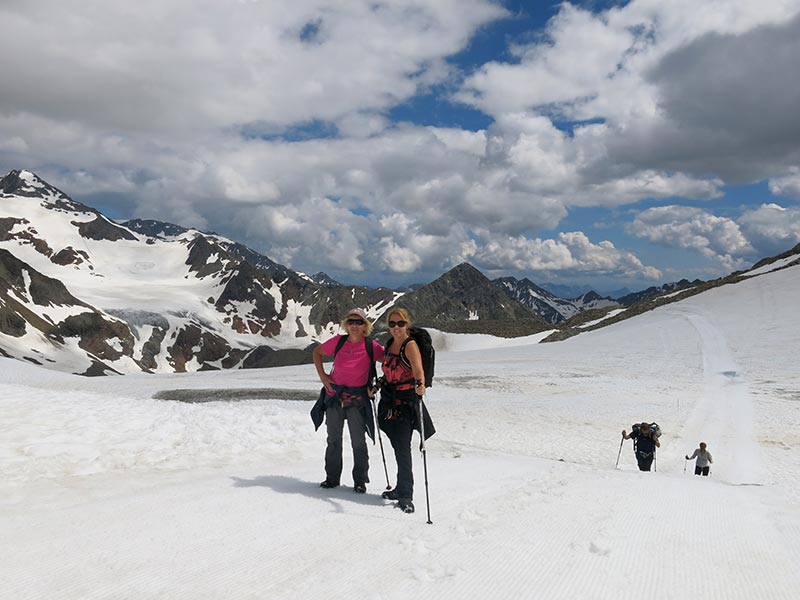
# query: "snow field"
{"points": [[106, 493]]}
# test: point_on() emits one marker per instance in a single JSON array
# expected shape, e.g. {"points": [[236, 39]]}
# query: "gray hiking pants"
{"points": [[335, 416]]}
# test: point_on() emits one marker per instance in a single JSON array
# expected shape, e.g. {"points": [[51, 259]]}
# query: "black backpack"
{"points": [[654, 428], [373, 374], [426, 350]]}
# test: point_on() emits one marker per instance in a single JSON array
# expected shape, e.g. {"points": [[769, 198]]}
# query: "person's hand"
{"points": [[419, 388], [623, 433], [687, 457], [326, 381]]}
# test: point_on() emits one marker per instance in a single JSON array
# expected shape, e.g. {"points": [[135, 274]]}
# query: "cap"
{"points": [[357, 312]]}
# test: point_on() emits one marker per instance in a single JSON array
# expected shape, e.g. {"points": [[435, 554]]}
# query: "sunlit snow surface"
{"points": [[108, 493]]}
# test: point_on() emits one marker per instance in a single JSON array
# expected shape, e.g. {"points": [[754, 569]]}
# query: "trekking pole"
{"points": [[380, 441], [655, 461], [424, 458], [620, 452], [684, 466]]}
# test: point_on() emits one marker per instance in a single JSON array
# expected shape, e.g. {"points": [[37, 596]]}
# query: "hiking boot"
{"points": [[406, 505], [360, 488], [328, 484], [390, 495]]}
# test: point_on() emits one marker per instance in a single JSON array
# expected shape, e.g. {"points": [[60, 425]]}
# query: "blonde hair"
{"points": [[404, 316], [367, 324]]}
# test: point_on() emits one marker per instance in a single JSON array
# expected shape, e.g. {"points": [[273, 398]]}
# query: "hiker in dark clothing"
{"points": [[402, 386], [645, 443]]}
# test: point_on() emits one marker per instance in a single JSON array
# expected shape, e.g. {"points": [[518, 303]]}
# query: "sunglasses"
{"points": [[397, 323], [355, 321]]}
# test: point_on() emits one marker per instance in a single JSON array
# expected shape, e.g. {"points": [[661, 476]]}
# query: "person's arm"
{"points": [[655, 439], [323, 376], [415, 358], [711, 460], [694, 455], [625, 435]]}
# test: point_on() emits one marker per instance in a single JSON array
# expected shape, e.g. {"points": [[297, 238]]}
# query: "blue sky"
{"points": [[614, 144]]}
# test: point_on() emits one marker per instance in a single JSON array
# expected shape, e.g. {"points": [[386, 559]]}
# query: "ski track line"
{"points": [[723, 417]]}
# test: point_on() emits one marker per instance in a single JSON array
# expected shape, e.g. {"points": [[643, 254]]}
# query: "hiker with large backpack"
{"points": [[345, 396], [645, 441], [401, 409]]}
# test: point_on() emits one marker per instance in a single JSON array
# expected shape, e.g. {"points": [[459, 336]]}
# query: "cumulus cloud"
{"points": [[771, 228], [694, 229], [571, 252], [654, 87], [179, 65], [788, 185], [270, 124]]}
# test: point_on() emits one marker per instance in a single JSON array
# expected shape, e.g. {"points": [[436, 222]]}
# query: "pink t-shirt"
{"points": [[351, 365]]}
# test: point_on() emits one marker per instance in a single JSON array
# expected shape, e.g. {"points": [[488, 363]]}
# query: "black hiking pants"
{"points": [[645, 460], [399, 432], [701, 471]]}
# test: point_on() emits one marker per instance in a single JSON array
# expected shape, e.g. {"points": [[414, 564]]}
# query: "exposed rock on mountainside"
{"points": [[152, 296], [550, 307], [464, 300]]}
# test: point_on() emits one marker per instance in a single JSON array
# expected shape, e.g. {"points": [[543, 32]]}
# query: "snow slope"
{"points": [[107, 493]]}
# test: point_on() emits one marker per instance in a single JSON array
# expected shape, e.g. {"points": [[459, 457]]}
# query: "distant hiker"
{"points": [[645, 442], [703, 459], [402, 387], [345, 396]]}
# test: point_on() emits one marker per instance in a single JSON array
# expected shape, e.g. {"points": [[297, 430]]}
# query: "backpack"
{"points": [[653, 428], [426, 351], [373, 374]]}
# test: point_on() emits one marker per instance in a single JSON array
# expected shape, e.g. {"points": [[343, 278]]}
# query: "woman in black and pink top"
{"points": [[402, 386]]}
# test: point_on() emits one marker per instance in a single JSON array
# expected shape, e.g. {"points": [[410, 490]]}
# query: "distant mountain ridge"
{"points": [[84, 294], [552, 309]]}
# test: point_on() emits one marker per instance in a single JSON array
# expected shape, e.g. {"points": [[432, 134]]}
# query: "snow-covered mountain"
{"points": [[552, 308], [83, 294]]}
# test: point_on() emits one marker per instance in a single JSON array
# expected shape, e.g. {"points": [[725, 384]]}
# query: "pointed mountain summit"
{"points": [[464, 300], [27, 184]]}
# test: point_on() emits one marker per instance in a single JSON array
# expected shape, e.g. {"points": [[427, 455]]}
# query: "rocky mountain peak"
{"points": [[27, 184]]}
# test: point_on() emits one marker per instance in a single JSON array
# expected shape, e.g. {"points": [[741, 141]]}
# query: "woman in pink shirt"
{"points": [[347, 398]]}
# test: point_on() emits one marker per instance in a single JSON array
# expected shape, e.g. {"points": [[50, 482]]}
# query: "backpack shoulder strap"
{"points": [[402, 351], [373, 373], [339, 344]]}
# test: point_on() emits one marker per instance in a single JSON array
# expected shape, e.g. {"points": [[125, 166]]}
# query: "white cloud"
{"points": [[694, 229], [569, 252], [670, 87], [788, 185], [771, 228], [179, 66]]}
